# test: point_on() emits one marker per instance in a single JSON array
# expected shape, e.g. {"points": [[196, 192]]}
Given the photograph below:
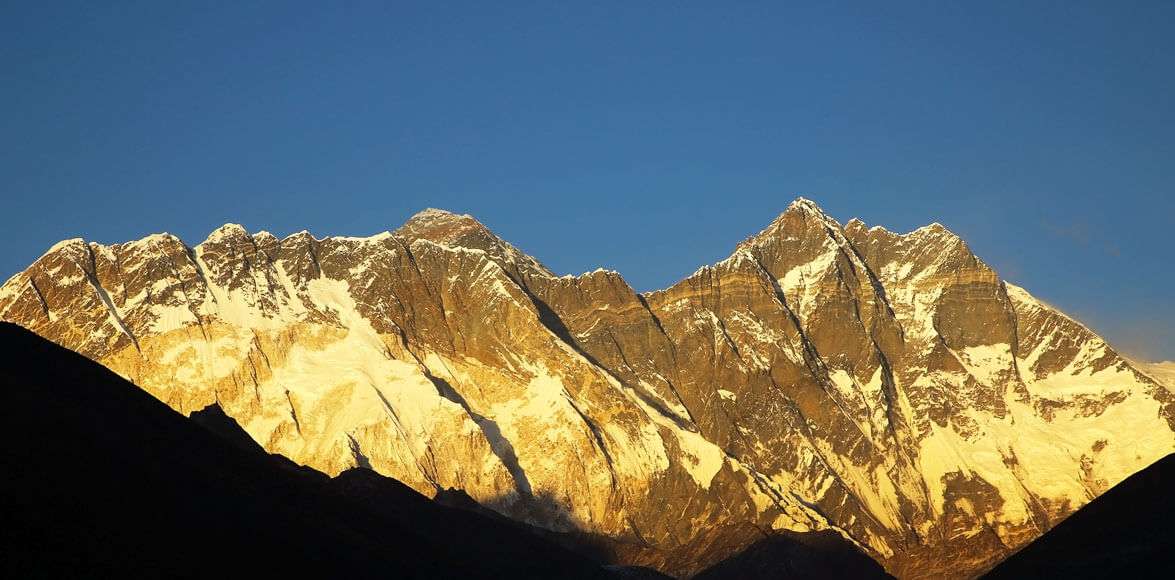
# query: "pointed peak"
{"points": [[230, 226], [447, 229], [440, 225], [230, 229], [68, 247], [934, 229], [802, 203], [63, 244], [225, 232], [433, 212], [299, 236], [265, 237], [798, 220], [805, 207], [430, 214]]}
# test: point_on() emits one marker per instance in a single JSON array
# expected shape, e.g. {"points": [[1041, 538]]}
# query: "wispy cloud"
{"points": [[1081, 234]]}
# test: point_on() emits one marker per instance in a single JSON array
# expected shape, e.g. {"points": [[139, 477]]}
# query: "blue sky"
{"points": [[644, 137]]}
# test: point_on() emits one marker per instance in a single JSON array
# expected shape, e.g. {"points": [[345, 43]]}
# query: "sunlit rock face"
{"points": [[890, 387]]}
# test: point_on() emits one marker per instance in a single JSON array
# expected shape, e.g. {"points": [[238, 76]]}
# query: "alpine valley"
{"points": [[823, 380]]}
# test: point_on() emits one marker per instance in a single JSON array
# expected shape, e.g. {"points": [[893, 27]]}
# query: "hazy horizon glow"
{"points": [[648, 141]]}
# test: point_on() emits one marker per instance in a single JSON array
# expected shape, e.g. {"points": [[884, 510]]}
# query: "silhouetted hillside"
{"points": [[101, 479], [1124, 533], [381, 494], [814, 555]]}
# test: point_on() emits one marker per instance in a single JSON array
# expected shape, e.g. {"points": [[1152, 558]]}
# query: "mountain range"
{"points": [[827, 380]]}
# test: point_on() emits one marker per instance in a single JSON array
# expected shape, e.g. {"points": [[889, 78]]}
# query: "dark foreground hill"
{"points": [[101, 480], [1125, 533], [790, 555]]}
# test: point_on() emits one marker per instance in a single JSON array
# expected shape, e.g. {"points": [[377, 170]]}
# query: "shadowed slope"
{"points": [[101, 479], [1126, 533], [790, 555]]}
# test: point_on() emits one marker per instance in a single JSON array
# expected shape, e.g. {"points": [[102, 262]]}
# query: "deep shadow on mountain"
{"points": [[102, 480], [1125, 533]]}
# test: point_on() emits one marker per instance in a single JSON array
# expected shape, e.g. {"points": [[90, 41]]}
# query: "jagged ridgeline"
{"points": [[888, 387]]}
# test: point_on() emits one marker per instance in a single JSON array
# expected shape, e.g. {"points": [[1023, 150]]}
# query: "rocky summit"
{"points": [[886, 387]]}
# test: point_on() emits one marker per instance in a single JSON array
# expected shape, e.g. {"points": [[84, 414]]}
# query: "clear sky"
{"points": [[646, 137]]}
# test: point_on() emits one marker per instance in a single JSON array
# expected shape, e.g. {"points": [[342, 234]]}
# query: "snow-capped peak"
{"points": [[445, 228], [442, 226], [229, 230], [803, 203], [431, 213], [933, 230], [63, 244]]}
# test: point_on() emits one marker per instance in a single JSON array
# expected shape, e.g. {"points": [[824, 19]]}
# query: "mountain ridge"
{"points": [[431, 213], [888, 387]]}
